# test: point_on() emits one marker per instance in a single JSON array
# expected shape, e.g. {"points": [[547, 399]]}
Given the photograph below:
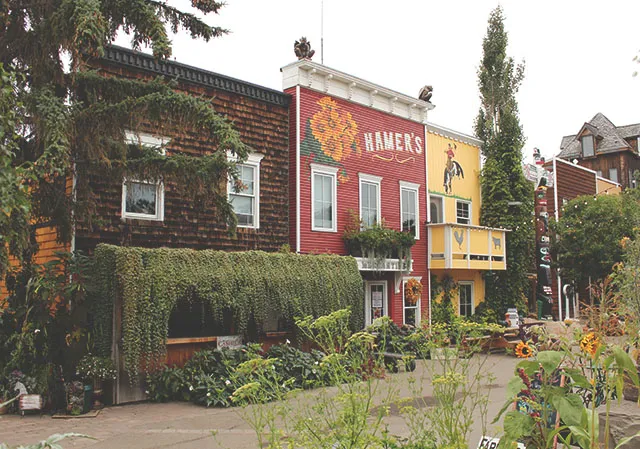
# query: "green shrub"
{"points": [[292, 363]]}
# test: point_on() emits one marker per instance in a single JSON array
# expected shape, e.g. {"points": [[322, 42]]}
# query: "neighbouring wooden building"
{"points": [[609, 150], [568, 181]]}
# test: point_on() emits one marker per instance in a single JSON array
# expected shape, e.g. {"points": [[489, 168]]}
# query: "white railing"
{"points": [[373, 264]]}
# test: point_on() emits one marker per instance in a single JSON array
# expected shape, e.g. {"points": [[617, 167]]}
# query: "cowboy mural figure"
{"points": [[452, 168]]}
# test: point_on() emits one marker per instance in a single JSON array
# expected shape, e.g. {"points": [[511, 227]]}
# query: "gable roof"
{"points": [[609, 138]]}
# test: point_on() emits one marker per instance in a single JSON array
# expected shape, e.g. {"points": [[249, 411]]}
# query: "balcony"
{"points": [[375, 264], [467, 247]]}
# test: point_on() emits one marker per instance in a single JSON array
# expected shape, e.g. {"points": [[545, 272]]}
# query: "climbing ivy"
{"points": [[147, 283]]}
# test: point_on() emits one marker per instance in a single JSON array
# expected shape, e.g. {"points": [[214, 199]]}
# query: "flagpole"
{"points": [[321, 31]]}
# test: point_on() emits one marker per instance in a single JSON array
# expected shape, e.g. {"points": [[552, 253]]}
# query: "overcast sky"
{"points": [[578, 54]]}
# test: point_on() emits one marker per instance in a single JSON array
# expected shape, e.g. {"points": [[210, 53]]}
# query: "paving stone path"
{"points": [[185, 426]]}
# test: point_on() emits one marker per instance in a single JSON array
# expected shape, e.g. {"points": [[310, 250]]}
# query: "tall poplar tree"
{"points": [[507, 197], [60, 118]]}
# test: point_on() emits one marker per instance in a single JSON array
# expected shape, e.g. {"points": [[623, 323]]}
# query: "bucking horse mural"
{"points": [[452, 169]]}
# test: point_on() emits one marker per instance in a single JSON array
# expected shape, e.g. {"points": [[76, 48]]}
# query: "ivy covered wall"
{"points": [[149, 282]]}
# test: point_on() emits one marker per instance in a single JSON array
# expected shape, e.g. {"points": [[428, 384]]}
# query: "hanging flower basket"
{"points": [[412, 292]]}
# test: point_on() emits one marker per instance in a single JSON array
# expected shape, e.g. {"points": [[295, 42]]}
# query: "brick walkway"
{"points": [[185, 426]]}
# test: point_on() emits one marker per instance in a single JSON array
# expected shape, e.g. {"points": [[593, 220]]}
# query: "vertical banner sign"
{"points": [[543, 255]]}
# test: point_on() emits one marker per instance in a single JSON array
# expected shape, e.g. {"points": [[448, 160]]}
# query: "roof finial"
{"points": [[425, 93], [302, 48]]}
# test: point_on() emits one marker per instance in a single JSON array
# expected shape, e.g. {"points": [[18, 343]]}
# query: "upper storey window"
{"points": [[244, 194], [369, 199], [588, 148]]}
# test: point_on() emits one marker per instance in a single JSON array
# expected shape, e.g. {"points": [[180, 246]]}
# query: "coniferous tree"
{"points": [[507, 197], [60, 118]]}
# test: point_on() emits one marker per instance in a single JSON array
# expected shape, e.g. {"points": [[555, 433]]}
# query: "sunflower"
{"points": [[523, 350], [335, 129], [589, 344]]}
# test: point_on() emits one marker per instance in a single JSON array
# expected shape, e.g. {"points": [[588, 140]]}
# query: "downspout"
{"points": [[428, 208], [298, 169]]}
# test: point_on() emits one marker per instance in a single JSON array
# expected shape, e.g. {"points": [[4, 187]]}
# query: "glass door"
{"points": [[375, 301]]}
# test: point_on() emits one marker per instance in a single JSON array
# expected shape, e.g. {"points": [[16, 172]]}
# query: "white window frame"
{"points": [[253, 160], [473, 299], [441, 208], [158, 216], [593, 145], [418, 305], [369, 179], [325, 170], [617, 180], [470, 211], [147, 140], [410, 186], [367, 300]]}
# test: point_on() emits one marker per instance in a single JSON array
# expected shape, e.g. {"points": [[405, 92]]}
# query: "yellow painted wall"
{"points": [[466, 189], [464, 275], [605, 187]]}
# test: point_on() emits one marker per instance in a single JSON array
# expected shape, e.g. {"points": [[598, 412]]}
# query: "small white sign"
{"points": [[229, 341], [492, 443], [376, 303], [30, 402], [376, 296]]}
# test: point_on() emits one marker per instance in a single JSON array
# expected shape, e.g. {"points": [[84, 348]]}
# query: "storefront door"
{"points": [[375, 300]]}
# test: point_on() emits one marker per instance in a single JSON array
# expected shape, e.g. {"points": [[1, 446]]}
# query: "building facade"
{"points": [[359, 151], [568, 181], [609, 150], [138, 213], [459, 247]]}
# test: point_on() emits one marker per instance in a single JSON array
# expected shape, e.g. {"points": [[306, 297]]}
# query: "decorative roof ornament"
{"points": [[302, 48], [425, 93]]}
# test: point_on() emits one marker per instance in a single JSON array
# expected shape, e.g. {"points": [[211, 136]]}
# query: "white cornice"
{"points": [[311, 75], [455, 135]]}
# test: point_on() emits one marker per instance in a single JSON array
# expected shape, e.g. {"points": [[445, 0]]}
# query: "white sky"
{"points": [[578, 54]]}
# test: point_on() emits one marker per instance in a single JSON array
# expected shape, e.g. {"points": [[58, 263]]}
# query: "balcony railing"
{"points": [[460, 246], [374, 264]]}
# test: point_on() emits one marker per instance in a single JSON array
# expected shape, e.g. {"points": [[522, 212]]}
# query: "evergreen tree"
{"points": [[60, 118], [507, 197]]}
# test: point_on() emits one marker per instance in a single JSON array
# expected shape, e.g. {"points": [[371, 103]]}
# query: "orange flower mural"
{"points": [[335, 130]]}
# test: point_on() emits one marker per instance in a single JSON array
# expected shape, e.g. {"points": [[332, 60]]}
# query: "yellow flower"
{"points": [[335, 130], [523, 350], [589, 344]]}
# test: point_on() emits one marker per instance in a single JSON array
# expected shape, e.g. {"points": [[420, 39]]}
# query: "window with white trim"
{"points": [[244, 193], [411, 309], [143, 199], [587, 146], [599, 173], [613, 174], [466, 306], [324, 198], [463, 212], [409, 208], [436, 205], [369, 199]]}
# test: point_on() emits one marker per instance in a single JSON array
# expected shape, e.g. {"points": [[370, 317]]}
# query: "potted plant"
{"points": [[94, 370]]}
